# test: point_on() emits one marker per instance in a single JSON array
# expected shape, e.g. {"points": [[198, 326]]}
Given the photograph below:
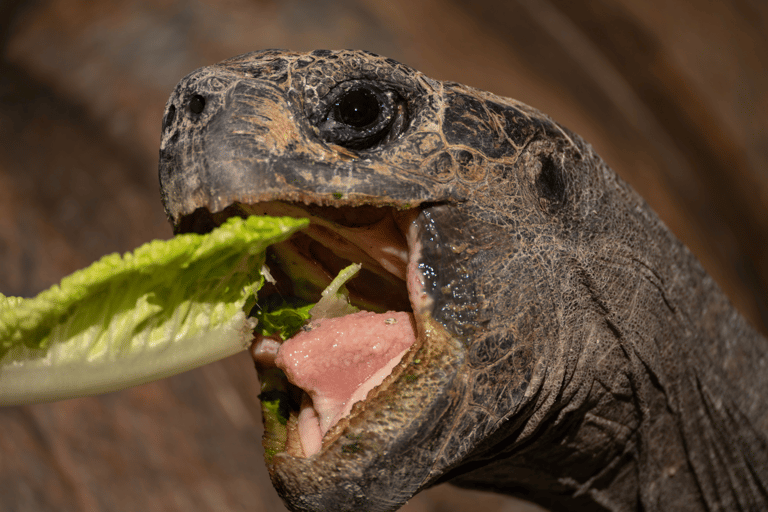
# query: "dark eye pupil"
{"points": [[197, 104], [358, 108]]}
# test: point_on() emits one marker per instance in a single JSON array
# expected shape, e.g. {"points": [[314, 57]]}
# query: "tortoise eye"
{"points": [[358, 108], [361, 115]]}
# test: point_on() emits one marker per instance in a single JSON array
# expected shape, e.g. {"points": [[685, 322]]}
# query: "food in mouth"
{"points": [[351, 340]]}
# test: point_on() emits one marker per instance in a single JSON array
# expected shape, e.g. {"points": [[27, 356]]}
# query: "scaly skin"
{"points": [[574, 353]]}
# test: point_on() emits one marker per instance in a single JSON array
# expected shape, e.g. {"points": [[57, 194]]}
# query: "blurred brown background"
{"points": [[673, 94]]}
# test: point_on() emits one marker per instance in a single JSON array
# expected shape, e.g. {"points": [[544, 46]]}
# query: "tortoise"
{"points": [[569, 349]]}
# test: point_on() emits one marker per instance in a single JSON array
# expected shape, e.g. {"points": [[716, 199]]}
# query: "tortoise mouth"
{"points": [[381, 240]]}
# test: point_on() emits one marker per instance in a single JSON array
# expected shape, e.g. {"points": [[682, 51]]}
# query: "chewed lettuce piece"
{"points": [[334, 301], [283, 318], [168, 307]]}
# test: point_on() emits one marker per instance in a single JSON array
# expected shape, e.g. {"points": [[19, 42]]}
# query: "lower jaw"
{"points": [[393, 444], [309, 421], [312, 428]]}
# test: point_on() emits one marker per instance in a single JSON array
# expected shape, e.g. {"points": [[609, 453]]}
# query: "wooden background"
{"points": [[674, 95]]}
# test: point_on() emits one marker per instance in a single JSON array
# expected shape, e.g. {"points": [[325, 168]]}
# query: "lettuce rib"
{"points": [[168, 307]]}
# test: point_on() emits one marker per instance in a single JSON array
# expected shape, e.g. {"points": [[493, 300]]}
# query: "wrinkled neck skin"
{"points": [[644, 389]]}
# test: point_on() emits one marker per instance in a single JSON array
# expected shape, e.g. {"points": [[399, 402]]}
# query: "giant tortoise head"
{"points": [[568, 348]]}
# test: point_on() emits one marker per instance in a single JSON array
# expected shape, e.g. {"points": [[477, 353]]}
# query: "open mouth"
{"points": [[315, 381]]}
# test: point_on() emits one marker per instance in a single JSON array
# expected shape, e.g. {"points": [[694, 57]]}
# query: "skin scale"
{"points": [[574, 353]]}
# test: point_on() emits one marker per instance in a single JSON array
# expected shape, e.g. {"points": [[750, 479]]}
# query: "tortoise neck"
{"points": [[664, 408]]}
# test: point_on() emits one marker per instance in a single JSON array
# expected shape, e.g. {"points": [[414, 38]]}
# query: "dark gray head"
{"points": [[537, 278]]}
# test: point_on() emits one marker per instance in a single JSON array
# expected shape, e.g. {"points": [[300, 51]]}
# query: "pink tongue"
{"points": [[338, 361]]}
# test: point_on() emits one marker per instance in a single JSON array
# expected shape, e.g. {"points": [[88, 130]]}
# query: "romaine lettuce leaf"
{"points": [[168, 307]]}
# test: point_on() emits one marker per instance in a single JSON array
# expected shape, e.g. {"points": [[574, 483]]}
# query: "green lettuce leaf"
{"points": [[168, 307], [284, 318]]}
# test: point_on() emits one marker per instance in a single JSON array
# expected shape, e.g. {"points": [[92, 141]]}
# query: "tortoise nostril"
{"points": [[197, 104], [169, 117]]}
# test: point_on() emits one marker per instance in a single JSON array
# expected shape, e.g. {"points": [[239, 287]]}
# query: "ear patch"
{"points": [[551, 183]]}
